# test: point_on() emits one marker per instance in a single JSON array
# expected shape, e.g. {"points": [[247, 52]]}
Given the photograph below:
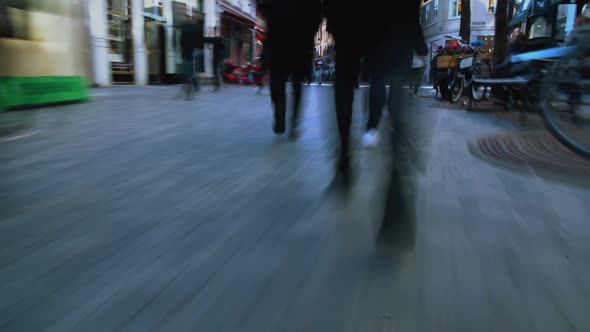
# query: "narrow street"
{"points": [[140, 211]]}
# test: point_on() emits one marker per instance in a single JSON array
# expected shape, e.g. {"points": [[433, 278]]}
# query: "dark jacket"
{"points": [[292, 25], [385, 32], [218, 47], [191, 38]]}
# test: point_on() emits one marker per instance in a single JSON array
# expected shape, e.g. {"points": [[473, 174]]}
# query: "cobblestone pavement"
{"points": [[139, 212]]}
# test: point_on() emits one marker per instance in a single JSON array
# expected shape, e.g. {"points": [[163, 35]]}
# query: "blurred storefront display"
{"points": [[45, 46]]}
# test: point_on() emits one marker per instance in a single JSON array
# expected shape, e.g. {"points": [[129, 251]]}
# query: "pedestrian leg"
{"points": [[346, 73], [297, 82], [279, 98], [217, 72], [188, 77]]}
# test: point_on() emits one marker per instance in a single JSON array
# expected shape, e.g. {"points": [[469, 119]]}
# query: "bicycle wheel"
{"points": [[456, 90], [565, 101], [479, 91]]}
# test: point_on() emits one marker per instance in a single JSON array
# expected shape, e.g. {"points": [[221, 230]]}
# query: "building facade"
{"points": [[440, 18], [138, 41], [324, 42]]}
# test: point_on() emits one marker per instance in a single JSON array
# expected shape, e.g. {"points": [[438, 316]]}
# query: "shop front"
{"points": [[552, 19], [155, 40], [43, 48], [240, 38], [181, 10], [120, 38]]}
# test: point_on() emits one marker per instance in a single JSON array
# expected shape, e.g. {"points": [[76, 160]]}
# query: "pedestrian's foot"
{"points": [[370, 138], [278, 127], [343, 176]]}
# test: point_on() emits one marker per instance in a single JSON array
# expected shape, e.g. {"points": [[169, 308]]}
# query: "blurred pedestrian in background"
{"points": [[418, 67], [191, 44], [319, 71], [218, 44], [434, 70], [292, 25]]}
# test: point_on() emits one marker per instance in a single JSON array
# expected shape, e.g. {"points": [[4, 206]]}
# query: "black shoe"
{"points": [[278, 125], [342, 180]]}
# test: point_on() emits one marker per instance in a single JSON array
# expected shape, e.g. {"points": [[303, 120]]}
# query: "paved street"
{"points": [[140, 212]]}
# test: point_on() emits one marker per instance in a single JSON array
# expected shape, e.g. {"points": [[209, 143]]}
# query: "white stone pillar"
{"points": [[99, 44], [170, 55], [140, 58]]}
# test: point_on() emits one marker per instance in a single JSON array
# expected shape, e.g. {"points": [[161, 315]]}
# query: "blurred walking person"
{"points": [[319, 71], [389, 62], [218, 44], [191, 44], [387, 36], [418, 67], [292, 25]]}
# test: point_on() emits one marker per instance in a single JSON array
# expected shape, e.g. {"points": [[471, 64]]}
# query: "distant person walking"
{"points": [[418, 67], [218, 43], [191, 44], [292, 25], [319, 71]]}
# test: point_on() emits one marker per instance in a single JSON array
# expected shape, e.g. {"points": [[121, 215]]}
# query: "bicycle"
{"points": [[565, 98], [466, 70]]}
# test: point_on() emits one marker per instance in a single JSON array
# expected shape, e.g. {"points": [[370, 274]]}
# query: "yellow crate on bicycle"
{"points": [[450, 61]]}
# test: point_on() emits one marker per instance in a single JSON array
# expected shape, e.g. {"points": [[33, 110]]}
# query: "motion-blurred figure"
{"points": [[319, 71], [191, 44], [434, 72], [418, 66], [218, 43], [387, 36], [292, 25]]}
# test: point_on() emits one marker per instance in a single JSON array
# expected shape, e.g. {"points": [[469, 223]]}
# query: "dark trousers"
{"points": [[347, 72], [278, 95], [416, 80], [217, 72], [379, 97]]}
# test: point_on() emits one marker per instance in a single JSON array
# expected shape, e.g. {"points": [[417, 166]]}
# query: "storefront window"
{"points": [[488, 41], [120, 38], [152, 7], [429, 12], [540, 28], [566, 16], [455, 8], [435, 9], [14, 20], [492, 6]]}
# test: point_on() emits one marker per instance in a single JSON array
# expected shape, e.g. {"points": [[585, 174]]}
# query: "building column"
{"points": [[140, 58], [211, 21], [170, 56], [99, 47]]}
